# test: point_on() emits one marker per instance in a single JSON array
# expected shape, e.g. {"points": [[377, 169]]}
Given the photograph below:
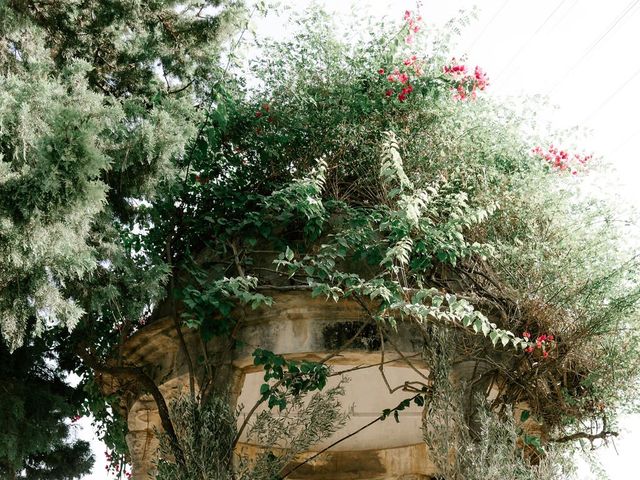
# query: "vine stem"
{"points": [[176, 323], [346, 437], [261, 400]]}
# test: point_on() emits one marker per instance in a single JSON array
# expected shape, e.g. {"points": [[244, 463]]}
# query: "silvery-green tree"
{"points": [[98, 102]]}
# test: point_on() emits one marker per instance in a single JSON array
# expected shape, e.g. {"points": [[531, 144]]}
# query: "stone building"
{"points": [[297, 326]]}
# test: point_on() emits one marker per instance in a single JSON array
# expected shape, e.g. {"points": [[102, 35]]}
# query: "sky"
{"points": [[578, 53]]}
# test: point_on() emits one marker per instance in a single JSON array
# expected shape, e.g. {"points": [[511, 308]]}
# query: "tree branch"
{"points": [[262, 399], [147, 383], [603, 435], [346, 437], [176, 323]]}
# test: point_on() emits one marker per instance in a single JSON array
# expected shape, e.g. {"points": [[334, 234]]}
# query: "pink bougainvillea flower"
{"points": [[388, 93], [407, 14], [409, 39], [528, 349], [526, 335], [481, 78], [561, 160], [461, 94]]}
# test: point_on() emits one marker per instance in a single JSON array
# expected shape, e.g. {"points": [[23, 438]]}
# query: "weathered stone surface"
{"points": [[299, 327]]}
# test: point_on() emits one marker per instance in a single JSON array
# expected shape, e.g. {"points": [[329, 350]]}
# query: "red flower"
{"points": [[411, 60], [528, 349], [462, 94], [381, 71], [545, 354], [481, 78], [407, 14], [526, 335], [388, 93], [561, 159], [258, 114]]}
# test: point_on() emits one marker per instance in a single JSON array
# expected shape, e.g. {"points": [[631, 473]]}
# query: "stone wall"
{"points": [[298, 327]]}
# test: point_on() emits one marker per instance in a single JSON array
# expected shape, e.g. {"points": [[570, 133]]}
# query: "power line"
{"points": [[484, 30], [625, 141], [566, 12], [533, 35], [613, 95], [630, 6]]}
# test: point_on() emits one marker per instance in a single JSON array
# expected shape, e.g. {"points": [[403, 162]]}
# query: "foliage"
{"points": [[98, 102], [494, 445], [293, 378], [304, 423], [206, 433], [427, 207], [140, 179], [37, 408]]}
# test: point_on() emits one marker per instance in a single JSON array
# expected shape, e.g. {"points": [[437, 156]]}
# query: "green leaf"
{"points": [[288, 254], [486, 328], [477, 325]]}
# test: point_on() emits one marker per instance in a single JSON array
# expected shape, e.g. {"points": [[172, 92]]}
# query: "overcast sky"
{"points": [[579, 53]]}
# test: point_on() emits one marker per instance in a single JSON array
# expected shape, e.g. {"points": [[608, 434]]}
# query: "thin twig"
{"points": [[262, 399], [363, 367], [346, 437], [176, 323]]}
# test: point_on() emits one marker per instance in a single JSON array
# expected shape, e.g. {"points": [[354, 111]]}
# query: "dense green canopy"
{"points": [[137, 174], [98, 101]]}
